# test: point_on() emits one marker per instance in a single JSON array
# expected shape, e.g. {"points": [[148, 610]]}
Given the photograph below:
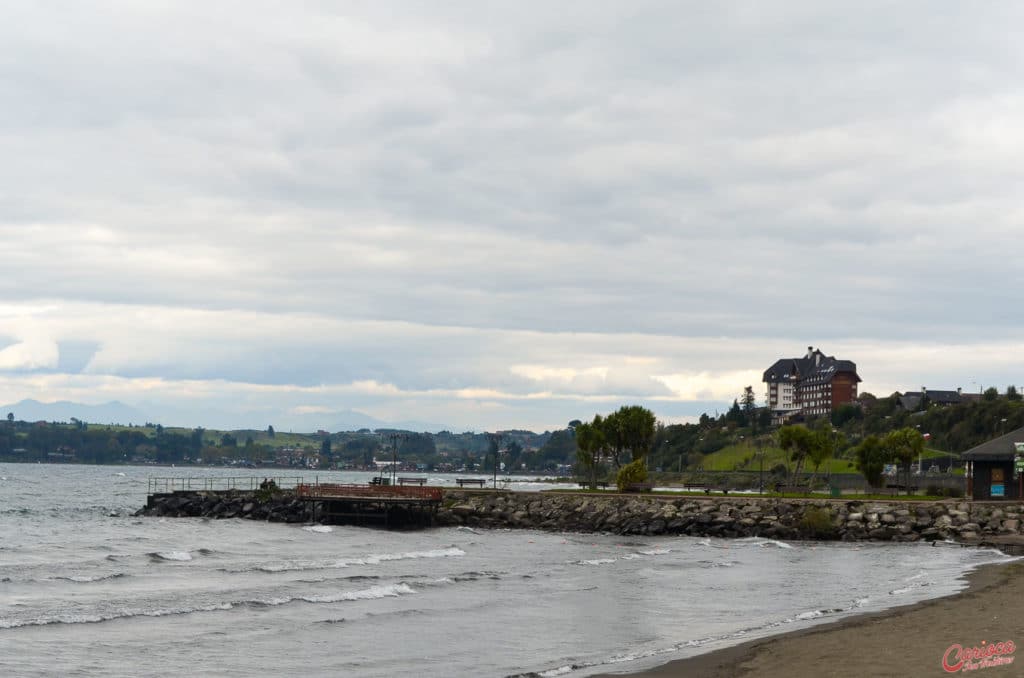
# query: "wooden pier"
{"points": [[392, 505]]}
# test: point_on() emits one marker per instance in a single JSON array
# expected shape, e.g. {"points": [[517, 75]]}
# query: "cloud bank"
{"points": [[493, 216]]}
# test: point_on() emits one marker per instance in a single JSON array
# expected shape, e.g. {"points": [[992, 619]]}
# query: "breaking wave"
{"points": [[374, 559], [170, 555], [372, 593], [84, 579]]}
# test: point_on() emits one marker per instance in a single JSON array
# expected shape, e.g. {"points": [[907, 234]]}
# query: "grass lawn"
{"points": [[744, 458]]}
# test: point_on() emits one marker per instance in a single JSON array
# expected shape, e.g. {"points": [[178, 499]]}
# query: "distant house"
{"points": [[990, 468], [911, 401], [813, 385]]}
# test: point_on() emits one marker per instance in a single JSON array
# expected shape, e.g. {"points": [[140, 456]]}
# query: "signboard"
{"points": [[998, 490], [1019, 447], [1018, 464]]}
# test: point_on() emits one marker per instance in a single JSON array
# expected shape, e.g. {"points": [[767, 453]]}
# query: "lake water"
{"points": [[86, 589]]}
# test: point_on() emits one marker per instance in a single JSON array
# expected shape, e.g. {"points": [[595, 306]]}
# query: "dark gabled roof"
{"points": [[782, 369], [816, 366], [997, 449], [911, 400]]}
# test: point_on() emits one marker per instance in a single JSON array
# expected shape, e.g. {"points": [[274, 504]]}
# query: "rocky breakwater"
{"points": [[733, 516], [279, 507]]}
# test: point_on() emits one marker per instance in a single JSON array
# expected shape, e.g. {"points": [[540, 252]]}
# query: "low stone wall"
{"points": [[818, 519], [732, 516]]}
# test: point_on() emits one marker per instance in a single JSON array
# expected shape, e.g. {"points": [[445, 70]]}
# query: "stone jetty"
{"points": [[729, 516]]}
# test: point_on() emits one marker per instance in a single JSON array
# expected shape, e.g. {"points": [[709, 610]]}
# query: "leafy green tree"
{"points": [[196, 441], [823, 447], [1012, 393], [631, 429], [872, 457], [804, 445], [270, 432], [325, 448], [991, 394], [797, 440], [905, 445], [748, 403], [735, 414], [513, 451], [590, 442]]}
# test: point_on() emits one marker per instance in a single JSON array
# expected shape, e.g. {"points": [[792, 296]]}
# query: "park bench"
{"points": [[896, 488], [412, 481], [380, 480], [462, 482], [697, 486], [598, 483], [792, 489]]}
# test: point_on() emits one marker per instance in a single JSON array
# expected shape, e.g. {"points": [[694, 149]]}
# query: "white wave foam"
{"points": [[813, 614], [318, 528], [897, 592], [596, 561], [560, 671], [172, 555], [83, 579], [450, 552], [97, 618], [390, 591], [376, 559], [776, 543], [656, 552]]}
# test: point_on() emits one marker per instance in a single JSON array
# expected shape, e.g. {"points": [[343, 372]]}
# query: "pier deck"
{"points": [[395, 505]]}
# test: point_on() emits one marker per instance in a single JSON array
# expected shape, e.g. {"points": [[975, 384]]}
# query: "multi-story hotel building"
{"points": [[813, 385]]}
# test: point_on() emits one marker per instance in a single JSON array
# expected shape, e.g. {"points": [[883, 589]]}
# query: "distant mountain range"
{"points": [[63, 410], [119, 413]]}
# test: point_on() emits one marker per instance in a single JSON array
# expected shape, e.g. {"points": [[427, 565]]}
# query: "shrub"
{"points": [[817, 522], [634, 472]]}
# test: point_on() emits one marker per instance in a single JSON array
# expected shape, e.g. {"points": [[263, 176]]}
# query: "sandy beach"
{"points": [[905, 641]]}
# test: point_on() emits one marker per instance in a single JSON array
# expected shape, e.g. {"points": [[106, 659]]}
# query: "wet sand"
{"points": [[904, 641]]}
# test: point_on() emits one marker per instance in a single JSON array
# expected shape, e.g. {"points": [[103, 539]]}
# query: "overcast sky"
{"points": [[496, 215]]}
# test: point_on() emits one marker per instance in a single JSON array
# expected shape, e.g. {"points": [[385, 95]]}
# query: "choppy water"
{"points": [[88, 590]]}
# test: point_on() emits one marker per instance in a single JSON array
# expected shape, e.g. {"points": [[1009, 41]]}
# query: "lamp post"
{"points": [[760, 453], [395, 437], [495, 439]]}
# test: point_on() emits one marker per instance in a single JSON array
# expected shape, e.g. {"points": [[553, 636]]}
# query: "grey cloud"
{"points": [[663, 169]]}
